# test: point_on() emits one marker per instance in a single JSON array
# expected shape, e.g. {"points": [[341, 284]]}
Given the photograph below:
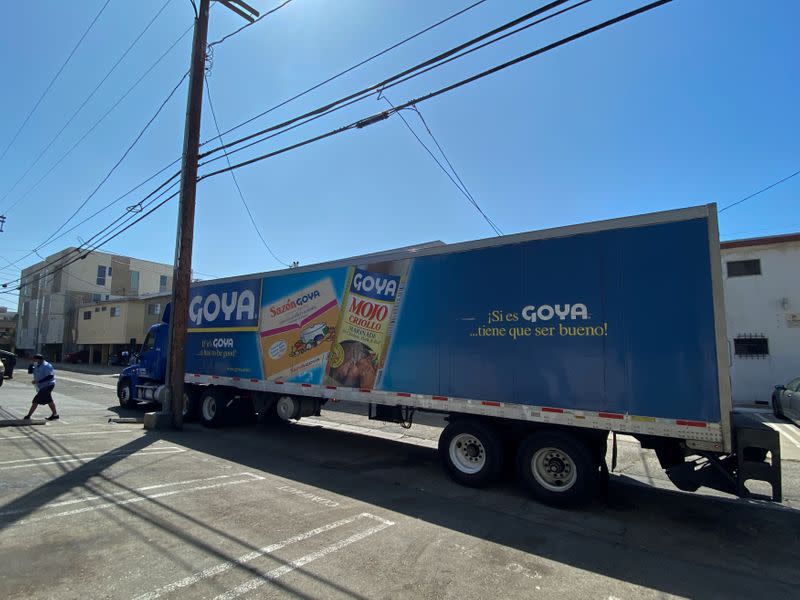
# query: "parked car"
{"points": [[786, 400], [81, 356], [9, 361], [122, 359]]}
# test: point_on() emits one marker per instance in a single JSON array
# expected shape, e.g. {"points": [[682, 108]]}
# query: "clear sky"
{"points": [[691, 103]]}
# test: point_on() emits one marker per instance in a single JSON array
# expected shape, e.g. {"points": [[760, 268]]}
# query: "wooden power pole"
{"points": [[182, 272]]}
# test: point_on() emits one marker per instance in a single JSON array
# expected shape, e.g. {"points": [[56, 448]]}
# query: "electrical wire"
{"points": [[375, 88], [340, 74], [236, 181], [461, 188], [53, 80], [753, 195], [99, 121], [85, 101], [349, 69], [385, 114], [243, 27]]}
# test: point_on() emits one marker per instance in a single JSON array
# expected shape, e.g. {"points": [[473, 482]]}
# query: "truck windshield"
{"points": [[149, 342]]}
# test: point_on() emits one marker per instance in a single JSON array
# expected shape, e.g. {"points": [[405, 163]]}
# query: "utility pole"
{"points": [[182, 271]]}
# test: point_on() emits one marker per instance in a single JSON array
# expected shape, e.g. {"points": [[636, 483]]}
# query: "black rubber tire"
{"points": [[216, 417], [492, 450], [587, 479], [1, 380], [191, 404], [123, 384]]}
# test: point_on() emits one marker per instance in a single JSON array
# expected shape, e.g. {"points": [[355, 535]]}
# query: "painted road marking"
{"points": [[109, 495], [68, 513], [244, 559], [49, 435], [274, 574], [107, 386], [31, 462], [784, 429], [308, 496]]}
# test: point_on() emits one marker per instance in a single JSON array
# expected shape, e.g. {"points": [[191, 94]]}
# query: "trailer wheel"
{"points": [[212, 408], [471, 452], [558, 468], [190, 405], [125, 393]]}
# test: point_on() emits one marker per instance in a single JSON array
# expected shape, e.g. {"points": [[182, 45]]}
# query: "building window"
{"points": [[134, 282], [751, 347], [87, 314], [104, 309], [115, 311], [96, 309], [101, 275], [162, 283], [743, 268], [154, 309], [109, 271], [97, 297]]}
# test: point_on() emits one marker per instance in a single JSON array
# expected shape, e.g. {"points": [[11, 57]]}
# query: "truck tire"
{"points": [[558, 468], [471, 452], [190, 404], [212, 408], [125, 393]]}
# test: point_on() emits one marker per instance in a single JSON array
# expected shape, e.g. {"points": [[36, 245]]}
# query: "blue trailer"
{"points": [[536, 347]]}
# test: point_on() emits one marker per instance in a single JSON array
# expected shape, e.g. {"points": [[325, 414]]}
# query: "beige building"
{"points": [[54, 290], [8, 329], [111, 326]]}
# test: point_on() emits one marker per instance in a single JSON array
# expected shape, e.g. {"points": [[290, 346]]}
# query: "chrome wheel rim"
{"points": [[467, 453], [554, 469], [209, 408]]}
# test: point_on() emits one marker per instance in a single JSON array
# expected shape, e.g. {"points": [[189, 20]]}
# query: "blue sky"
{"points": [[691, 103]]}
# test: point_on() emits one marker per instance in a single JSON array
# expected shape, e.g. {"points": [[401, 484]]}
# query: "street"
{"points": [[341, 507]]}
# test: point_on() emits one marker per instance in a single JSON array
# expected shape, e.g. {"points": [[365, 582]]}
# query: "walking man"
{"points": [[44, 378]]}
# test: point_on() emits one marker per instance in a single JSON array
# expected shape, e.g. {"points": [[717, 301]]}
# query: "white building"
{"points": [[52, 293], [762, 304]]}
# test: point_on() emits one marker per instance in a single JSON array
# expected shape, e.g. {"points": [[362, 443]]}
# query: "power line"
{"points": [[349, 69], [753, 195], [121, 158], [385, 84], [53, 80], [385, 114], [243, 27], [236, 182], [461, 188], [85, 101], [100, 120], [378, 89]]}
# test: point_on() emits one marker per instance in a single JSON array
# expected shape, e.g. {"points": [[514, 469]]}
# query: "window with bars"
{"points": [[751, 347], [744, 268]]}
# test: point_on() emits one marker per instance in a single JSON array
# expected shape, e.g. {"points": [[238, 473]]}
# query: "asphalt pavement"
{"points": [[341, 507]]}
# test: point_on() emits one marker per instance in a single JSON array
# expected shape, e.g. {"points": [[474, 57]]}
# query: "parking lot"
{"points": [[340, 507]]}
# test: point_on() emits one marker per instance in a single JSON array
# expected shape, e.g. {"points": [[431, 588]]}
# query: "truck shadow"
{"points": [[673, 542]]}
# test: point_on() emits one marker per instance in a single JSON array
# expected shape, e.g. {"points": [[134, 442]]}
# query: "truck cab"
{"points": [[144, 378]]}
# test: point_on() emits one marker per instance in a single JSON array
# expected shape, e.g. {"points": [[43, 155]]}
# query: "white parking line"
{"points": [[242, 560], [109, 495], [784, 429], [31, 462], [272, 575], [49, 435], [76, 511]]}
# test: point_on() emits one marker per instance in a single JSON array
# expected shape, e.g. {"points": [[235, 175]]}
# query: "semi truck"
{"points": [[538, 348]]}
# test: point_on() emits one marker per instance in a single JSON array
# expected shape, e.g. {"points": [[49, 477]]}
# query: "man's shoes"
{"points": [[26, 418], [52, 418]]}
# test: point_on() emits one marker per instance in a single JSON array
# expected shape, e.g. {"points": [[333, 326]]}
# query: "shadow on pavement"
{"points": [[666, 541]]}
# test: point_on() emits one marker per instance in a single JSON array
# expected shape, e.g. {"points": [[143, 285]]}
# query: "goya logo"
{"points": [[546, 312], [224, 305], [222, 343], [291, 303], [375, 285]]}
